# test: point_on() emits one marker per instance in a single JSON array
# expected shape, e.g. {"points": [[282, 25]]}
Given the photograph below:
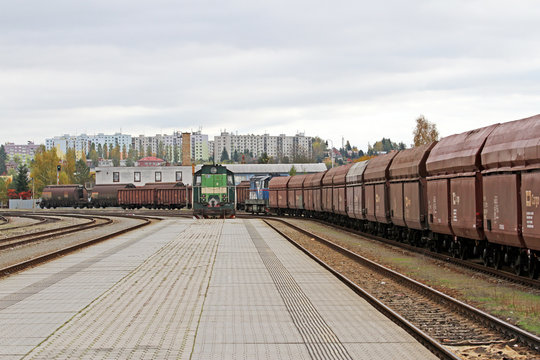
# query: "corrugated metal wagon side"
{"points": [[511, 195]]}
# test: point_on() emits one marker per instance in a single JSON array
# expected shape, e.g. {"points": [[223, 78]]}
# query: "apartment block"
{"points": [[274, 146]]}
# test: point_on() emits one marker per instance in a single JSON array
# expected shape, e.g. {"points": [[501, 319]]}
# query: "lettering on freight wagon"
{"points": [[530, 219], [455, 199], [531, 199]]}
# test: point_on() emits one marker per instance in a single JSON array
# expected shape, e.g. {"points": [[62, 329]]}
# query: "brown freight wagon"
{"points": [[408, 189], [326, 196], [454, 187], [295, 196], [314, 186], [172, 196], [105, 195], [339, 195], [64, 195], [137, 198], [242, 194], [355, 190], [277, 189], [377, 208], [511, 193], [308, 193]]}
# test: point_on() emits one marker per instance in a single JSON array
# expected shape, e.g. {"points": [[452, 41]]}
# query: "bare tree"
{"points": [[425, 132]]}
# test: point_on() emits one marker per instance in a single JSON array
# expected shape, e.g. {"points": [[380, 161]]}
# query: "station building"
{"points": [[140, 175]]}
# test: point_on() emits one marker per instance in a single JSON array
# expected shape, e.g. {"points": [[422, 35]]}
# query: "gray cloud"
{"points": [[354, 69]]}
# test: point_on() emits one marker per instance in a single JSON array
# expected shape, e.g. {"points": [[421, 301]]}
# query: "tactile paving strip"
{"points": [[319, 338]]}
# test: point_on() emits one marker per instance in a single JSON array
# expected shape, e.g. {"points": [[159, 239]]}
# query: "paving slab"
{"points": [[192, 289]]}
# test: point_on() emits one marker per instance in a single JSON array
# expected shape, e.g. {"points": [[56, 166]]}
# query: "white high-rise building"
{"points": [[81, 143], [199, 146], [277, 147]]}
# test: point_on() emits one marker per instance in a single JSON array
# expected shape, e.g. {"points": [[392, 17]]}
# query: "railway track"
{"points": [[24, 239], [445, 325], [7, 270], [466, 263], [40, 220]]}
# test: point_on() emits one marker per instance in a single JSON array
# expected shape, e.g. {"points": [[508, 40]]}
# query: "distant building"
{"points": [[24, 152], [82, 143], [277, 147], [169, 143], [150, 161], [199, 146], [142, 175]]}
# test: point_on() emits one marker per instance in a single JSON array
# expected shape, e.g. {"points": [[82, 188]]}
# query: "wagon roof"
{"points": [[243, 183], [341, 173], [163, 185], [377, 168], [513, 144], [329, 176], [356, 171], [111, 186], [278, 182], [458, 153], [316, 179], [411, 163], [297, 181]]}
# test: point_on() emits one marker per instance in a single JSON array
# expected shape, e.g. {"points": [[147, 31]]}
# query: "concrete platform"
{"points": [[192, 289]]}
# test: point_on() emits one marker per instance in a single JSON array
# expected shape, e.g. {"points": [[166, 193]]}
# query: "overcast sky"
{"points": [[358, 69]]}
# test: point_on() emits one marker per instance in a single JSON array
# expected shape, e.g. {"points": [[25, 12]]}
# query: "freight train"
{"points": [[214, 192], [127, 196], [473, 194]]}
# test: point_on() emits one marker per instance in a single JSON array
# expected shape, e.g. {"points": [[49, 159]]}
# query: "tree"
{"points": [[425, 131], [115, 155], [21, 180], [263, 159], [176, 155], [224, 155], [149, 150], [82, 172], [124, 152], [105, 151], [3, 158], [4, 185], [93, 155], [348, 146], [236, 156], [319, 149], [44, 168], [69, 166], [292, 172], [100, 150]]}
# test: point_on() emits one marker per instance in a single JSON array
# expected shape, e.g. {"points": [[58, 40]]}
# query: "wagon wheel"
{"points": [[497, 258], [486, 256], [463, 249], [533, 266], [518, 265]]}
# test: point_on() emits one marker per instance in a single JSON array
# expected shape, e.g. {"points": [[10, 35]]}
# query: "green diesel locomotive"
{"points": [[214, 192]]}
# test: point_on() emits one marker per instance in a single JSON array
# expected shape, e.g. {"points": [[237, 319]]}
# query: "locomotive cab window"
{"points": [[230, 181], [198, 180], [116, 176], [158, 176], [137, 176], [178, 176]]}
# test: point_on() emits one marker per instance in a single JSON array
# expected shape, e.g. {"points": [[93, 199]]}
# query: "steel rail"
{"points": [[501, 274], [501, 326], [45, 234]]}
